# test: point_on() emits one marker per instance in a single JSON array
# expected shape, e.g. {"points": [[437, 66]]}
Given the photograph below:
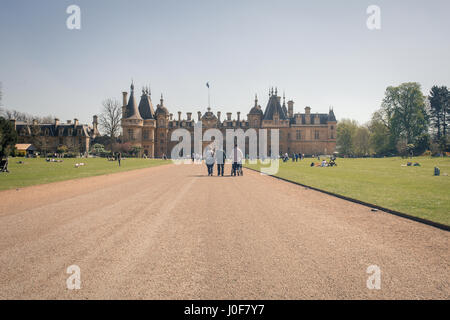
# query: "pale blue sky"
{"points": [[320, 52]]}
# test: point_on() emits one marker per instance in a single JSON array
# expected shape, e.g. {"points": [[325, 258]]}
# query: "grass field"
{"points": [[38, 171], [384, 182]]}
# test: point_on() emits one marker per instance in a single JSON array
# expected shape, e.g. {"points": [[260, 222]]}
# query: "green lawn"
{"points": [[38, 171], [384, 182]]}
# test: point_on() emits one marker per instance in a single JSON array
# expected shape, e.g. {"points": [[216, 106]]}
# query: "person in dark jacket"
{"points": [[220, 159]]}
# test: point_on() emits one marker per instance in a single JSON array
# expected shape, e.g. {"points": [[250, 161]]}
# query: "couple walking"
{"points": [[219, 156]]}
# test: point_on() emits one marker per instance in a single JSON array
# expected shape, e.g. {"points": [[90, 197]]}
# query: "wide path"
{"points": [[171, 232]]}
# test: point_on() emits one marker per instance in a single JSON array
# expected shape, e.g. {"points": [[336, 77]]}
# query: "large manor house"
{"points": [[150, 129]]}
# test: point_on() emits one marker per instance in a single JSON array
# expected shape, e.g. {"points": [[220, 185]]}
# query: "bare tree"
{"points": [[109, 119], [2, 111], [25, 117]]}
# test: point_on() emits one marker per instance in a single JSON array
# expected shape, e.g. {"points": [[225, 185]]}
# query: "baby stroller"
{"points": [[4, 165], [332, 162], [239, 170]]}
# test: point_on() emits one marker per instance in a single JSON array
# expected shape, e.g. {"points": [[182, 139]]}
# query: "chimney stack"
{"points": [[75, 122], [95, 122], [218, 115], [124, 98], [189, 115], [171, 116], [290, 109], [69, 121], [13, 122], [199, 115], [229, 116], [179, 116], [307, 115], [35, 122], [239, 116], [56, 122]]}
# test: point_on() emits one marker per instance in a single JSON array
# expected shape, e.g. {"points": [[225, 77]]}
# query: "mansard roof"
{"points": [[52, 130], [161, 110], [323, 117], [331, 116], [256, 110], [146, 107], [273, 107], [285, 109]]}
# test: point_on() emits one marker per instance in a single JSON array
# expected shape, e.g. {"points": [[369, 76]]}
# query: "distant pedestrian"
{"points": [[296, 157], [209, 159], [119, 157], [220, 159]]}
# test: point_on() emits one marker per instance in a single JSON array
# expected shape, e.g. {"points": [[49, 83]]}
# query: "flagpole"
{"points": [[209, 97]]}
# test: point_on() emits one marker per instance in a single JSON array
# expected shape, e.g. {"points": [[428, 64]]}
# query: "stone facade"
{"points": [[150, 130], [46, 138]]}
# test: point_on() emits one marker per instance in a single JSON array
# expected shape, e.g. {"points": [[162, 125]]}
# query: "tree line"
{"points": [[407, 123]]}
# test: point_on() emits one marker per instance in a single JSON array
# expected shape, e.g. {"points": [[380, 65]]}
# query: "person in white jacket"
{"points": [[209, 159], [236, 158]]}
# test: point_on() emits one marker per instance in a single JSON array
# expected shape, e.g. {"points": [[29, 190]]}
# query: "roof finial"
{"points": [[162, 100], [256, 100], [276, 91], [132, 85]]}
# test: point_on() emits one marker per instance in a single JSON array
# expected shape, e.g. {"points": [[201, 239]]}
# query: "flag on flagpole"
{"points": [[207, 85]]}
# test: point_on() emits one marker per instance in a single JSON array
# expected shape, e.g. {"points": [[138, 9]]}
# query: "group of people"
{"points": [[325, 163], [294, 157], [219, 156]]}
